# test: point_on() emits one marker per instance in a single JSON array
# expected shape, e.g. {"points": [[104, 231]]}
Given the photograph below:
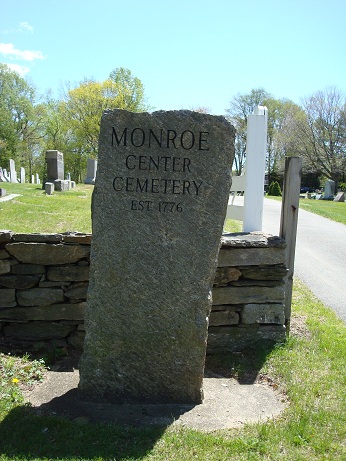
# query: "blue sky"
{"points": [[187, 53]]}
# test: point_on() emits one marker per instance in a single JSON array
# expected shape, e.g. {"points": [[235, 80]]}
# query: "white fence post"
{"points": [[256, 146]]}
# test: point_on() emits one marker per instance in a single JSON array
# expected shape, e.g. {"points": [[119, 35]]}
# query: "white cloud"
{"points": [[23, 26], [8, 49], [21, 70]]}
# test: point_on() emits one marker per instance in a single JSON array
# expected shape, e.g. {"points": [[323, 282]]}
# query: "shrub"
{"points": [[274, 189]]}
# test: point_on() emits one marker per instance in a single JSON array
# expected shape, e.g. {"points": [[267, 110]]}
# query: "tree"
{"points": [[20, 133], [319, 131], [76, 122], [279, 110], [129, 90], [241, 106]]}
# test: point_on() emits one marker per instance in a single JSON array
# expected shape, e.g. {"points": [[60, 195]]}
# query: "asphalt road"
{"points": [[320, 260]]}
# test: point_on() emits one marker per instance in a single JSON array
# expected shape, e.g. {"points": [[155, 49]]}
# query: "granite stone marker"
{"points": [[158, 211], [55, 165], [329, 189], [13, 173], [340, 197], [49, 188], [91, 171], [22, 175]]}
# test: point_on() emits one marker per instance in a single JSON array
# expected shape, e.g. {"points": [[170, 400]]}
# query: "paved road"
{"points": [[320, 260]]}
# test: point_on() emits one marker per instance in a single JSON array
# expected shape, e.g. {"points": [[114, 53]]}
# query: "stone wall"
{"points": [[44, 281]]}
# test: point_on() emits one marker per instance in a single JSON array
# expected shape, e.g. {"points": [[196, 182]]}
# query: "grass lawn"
{"points": [[34, 211], [336, 211], [310, 369]]}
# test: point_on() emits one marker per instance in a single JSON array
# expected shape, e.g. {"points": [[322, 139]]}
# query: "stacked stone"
{"points": [[43, 286], [44, 281], [248, 293]]}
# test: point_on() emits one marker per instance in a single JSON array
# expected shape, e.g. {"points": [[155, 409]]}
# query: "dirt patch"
{"points": [[299, 328]]}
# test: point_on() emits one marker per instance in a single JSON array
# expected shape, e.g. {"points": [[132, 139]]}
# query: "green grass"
{"points": [[34, 211], [336, 211], [310, 369]]}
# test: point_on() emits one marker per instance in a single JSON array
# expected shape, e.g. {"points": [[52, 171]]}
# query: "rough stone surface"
{"points": [[228, 338], [68, 273], [76, 340], [158, 214], [224, 317], [55, 165], [4, 254], [49, 188], [251, 257], [5, 236], [276, 272], [27, 269], [77, 238], [37, 238], [40, 296], [5, 266], [38, 330], [62, 185], [47, 313], [248, 294], [252, 240], [224, 275], [7, 298], [263, 313], [19, 281], [77, 291], [41, 253]]}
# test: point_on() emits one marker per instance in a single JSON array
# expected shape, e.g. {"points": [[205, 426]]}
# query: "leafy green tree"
{"points": [[76, 122], [240, 107], [279, 111], [128, 90], [21, 120]]}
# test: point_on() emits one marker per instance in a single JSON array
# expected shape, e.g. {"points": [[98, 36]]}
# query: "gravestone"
{"points": [[49, 188], [38, 181], [158, 210], [6, 175], [32, 179], [22, 175], [329, 189], [55, 165], [340, 197], [3, 192], [62, 185], [2, 177], [13, 173], [91, 171]]}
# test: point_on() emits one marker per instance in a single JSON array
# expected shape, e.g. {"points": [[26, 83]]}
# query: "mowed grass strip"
{"points": [[309, 370]]}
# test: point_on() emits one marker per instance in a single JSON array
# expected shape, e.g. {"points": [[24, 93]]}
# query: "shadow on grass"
{"points": [[244, 366], [28, 436]]}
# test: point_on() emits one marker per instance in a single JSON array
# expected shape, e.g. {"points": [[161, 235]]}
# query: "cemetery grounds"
{"points": [[309, 370]]}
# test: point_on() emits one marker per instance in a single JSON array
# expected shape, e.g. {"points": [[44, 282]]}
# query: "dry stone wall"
{"points": [[44, 281]]}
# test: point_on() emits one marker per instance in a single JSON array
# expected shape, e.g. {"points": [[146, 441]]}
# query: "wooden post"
{"points": [[288, 224]]}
